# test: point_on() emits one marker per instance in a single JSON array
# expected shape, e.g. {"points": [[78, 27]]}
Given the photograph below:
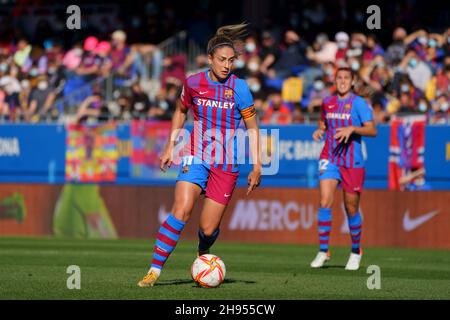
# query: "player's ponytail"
{"points": [[230, 36]]}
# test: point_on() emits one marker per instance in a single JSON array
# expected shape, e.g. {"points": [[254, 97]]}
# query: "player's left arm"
{"points": [[248, 113], [254, 178]]}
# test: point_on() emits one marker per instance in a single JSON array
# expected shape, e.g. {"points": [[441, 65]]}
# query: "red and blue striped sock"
{"points": [[355, 225], [324, 227], [166, 240]]}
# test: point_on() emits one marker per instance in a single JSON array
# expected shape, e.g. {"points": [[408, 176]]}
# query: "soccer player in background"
{"points": [[346, 117], [218, 101]]}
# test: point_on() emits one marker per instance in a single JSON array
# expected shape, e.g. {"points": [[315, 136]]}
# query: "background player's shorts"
{"points": [[216, 184], [351, 179]]}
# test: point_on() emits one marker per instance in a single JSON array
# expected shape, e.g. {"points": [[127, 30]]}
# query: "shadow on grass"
{"points": [[333, 266], [187, 281]]}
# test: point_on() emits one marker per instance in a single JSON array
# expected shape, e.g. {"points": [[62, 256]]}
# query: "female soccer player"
{"points": [[345, 118], [218, 101]]}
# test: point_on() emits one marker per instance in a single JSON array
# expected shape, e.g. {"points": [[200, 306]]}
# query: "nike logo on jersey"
{"points": [[203, 92], [331, 107], [226, 195], [410, 224]]}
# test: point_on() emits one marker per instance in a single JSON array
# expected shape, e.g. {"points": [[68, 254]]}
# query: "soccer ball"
{"points": [[208, 271]]}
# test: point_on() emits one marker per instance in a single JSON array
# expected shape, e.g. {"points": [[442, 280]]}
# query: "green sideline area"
{"points": [[36, 268]]}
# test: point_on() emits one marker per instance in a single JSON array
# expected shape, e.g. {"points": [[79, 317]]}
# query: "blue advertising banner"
{"points": [[37, 153], [32, 153]]}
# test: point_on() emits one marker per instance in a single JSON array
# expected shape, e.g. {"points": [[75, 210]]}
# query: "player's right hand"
{"points": [[166, 159], [318, 135]]}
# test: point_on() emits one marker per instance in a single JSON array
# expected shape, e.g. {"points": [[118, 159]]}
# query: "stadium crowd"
{"points": [[288, 76]]}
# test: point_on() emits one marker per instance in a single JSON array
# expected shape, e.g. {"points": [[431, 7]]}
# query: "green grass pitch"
{"points": [[35, 268]]}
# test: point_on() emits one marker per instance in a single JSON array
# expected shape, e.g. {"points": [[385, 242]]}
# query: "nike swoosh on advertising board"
{"points": [[410, 224]]}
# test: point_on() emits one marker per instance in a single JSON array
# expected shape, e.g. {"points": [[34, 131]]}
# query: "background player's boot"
{"points": [[320, 259], [353, 261], [149, 279]]}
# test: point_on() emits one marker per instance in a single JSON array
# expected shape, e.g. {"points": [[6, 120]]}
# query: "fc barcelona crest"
{"points": [[347, 106], [185, 169], [228, 94]]}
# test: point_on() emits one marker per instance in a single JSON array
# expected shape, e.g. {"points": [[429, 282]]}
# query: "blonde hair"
{"points": [[230, 36]]}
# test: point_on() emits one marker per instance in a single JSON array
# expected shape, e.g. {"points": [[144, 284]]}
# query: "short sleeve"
{"points": [[185, 96], [364, 111], [245, 96]]}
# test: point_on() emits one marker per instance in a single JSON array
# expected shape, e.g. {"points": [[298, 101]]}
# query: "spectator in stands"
{"points": [[439, 84], [251, 47], [269, 52], [397, 49], [22, 53], [342, 40], [372, 48], [277, 111], [440, 112], [293, 55], [317, 94], [323, 50], [174, 71], [140, 103], [90, 64], [417, 70], [92, 109], [41, 100], [121, 55], [102, 51]]}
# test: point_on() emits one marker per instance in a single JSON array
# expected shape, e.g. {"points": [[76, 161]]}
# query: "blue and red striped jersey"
{"points": [[337, 113], [218, 108]]}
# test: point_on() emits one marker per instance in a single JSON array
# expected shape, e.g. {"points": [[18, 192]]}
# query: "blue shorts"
{"points": [[216, 184]]}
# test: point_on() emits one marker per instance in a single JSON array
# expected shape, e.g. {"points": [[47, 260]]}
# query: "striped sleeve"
{"points": [[248, 112]]}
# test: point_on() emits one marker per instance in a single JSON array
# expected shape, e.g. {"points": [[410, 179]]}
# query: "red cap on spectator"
{"points": [[103, 47], [90, 43]]}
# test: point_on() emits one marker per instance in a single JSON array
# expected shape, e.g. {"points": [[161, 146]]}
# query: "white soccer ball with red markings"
{"points": [[208, 271]]}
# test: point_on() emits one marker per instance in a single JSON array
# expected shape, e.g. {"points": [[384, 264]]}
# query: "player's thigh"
{"points": [[186, 194], [327, 189], [211, 216], [352, 185], [329, 177]]}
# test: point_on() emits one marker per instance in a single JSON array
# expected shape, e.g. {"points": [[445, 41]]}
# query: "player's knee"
{"points": [[208, 231], [326, 202], [351, 209], [180, 213]]}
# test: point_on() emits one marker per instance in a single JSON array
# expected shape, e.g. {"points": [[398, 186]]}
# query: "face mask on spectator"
{"points": [[422, 40], [51, 70], [3, 67], [250, 46], [34, 72], [42, 85], [318, 85], [356, 44], [413, 63], [25, 84], [255, 87], [422, 107], [444, 106], [342, 44], [404, 88], [355, 65], [432, 43], [239, 63], [253, 66]]}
